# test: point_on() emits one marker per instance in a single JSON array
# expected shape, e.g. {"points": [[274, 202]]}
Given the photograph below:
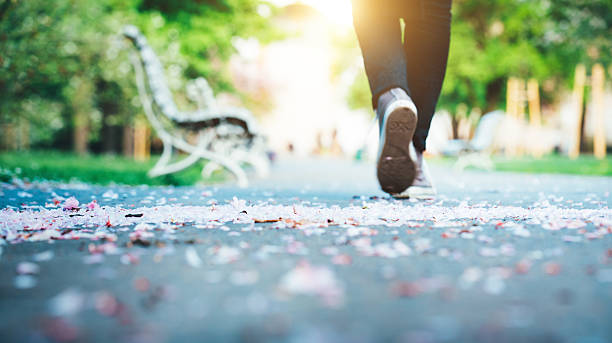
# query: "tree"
{"points": [[543, 39], [492, 40], [63, 66]]}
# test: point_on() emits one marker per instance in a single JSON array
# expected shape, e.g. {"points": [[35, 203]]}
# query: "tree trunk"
{"points": [[81, 136], [128, 141], [9, 138], [82, 106], [24, 135], [141, 141]]}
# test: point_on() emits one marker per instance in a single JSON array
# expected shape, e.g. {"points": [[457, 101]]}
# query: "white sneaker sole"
{"points": [[395, 168]]}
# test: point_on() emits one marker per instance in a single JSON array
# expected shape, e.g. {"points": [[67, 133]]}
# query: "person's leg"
{"points": [[377, 24], [426, 43]]}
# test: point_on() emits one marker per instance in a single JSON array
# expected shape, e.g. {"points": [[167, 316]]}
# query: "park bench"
{"points": [[227, 137]]}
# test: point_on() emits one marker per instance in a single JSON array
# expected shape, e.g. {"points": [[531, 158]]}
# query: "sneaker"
{"points": [[397, 115], [422, 187]]}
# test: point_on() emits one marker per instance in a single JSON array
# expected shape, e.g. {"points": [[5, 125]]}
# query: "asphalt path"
{"points": [[313, 253]]}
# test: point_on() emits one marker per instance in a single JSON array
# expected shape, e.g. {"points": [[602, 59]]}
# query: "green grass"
{"points": [[556, 164], [550, 164], [103, 169], [96, 169]]}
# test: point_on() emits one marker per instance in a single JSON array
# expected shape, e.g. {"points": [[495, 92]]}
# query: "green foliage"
{"points": [[554, 164], [549, 164], [66, 59], [53, 55], [201, 33], [101, 169], [542, 39], [492, 40]]}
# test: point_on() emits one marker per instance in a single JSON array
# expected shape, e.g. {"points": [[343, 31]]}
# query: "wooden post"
{"points": [[597, 91], [147, 150], [514, 107], [81, 105], [24, 135], [578, 96], [512, 113], [533, 97], [81, 133], [535, 116], [520, 99], [510, 98], [141, 141], [128, 141]]}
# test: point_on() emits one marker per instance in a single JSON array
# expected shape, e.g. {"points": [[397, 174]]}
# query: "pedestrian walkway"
{"points": [[316, 253]]}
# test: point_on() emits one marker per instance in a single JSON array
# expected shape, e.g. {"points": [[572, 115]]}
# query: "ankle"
{"points": [[392, 94]]}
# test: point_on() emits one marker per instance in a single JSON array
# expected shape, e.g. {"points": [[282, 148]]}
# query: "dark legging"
{"points": [[418, 64]]}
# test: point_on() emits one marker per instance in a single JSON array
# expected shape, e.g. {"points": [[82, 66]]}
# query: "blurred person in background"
{"points": [[405, 76]]}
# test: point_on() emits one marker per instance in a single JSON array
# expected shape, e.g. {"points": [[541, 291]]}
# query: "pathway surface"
{"points": [[315, 253]]}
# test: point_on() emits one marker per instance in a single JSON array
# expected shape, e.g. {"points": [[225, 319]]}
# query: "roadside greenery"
{"points": [[108, 169], [555, 164], [549, 164], [95, 169], [64, 71], [64, 64], [494, 40]]}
